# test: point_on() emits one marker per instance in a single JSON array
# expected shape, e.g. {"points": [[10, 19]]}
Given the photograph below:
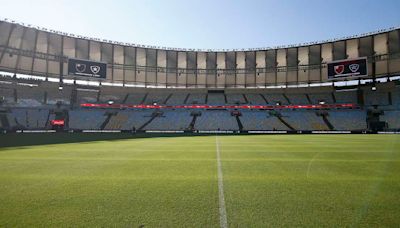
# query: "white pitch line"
{"points": [[222, 209]]}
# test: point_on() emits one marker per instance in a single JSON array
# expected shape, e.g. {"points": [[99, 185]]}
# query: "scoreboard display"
{"points": [[348, 68], [85, 68]]}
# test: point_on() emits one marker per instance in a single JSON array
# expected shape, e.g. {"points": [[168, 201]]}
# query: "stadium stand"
{"points": [[392, 118], [86, 119], [216, 120], [255, 99], [261, 120], [22, 118], [196, 98], [376, 98], [297, 98], [135, 98], [177, 99], [304, 120], [156, 98], [216, 99], [34, 103], [171, 120], [7, 94], [136, 118], [346, 97], [87, 95], [276, 98], [111, 94], [348, 119], [55, 95], [235, 99], [321, 97]]}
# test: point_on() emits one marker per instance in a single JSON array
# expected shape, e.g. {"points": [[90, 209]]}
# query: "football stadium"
{"points": [[103, 133]]}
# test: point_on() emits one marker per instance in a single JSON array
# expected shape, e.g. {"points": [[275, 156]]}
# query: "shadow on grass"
{"points": [[32, 139]]}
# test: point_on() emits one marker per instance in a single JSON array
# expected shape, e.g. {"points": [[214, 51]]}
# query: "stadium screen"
{"points": [[84, 68], [347, 68]]}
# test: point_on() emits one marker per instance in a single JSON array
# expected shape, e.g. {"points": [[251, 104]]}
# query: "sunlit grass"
{"points": [[269, 180]]}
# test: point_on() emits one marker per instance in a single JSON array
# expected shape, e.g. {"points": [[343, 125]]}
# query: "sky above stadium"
{"points": [[208, 23]]}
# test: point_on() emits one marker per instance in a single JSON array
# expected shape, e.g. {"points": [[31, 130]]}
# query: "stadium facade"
{"points": [[282, 89]]}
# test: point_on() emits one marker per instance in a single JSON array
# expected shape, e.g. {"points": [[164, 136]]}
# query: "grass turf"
{"points": [[269, 180]]}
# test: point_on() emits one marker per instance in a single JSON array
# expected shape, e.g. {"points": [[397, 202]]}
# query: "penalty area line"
{"points": [[222, 209]]}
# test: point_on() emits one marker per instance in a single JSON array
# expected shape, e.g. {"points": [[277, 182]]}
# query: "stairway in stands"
{"points": [[285, 123]]}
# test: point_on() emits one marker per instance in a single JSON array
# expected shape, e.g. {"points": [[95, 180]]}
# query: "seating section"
{"points": [[216, 120], [348, 119], [235, 99], [171, 120], [255, 99], [392, 118], [136, 118], [396, 98], [346, 97], [304, 120], [7, 94], [177, 99], [35, 104], [158, 98], [55, 95], [376, 98], [30, 96], [276, 98], [117, 121], [86, 119], [297, 98], [86, 96], [115, 96], [135, 98], [216, 99], [261, 120], [28, 118], [196, 98], [318, 97]]}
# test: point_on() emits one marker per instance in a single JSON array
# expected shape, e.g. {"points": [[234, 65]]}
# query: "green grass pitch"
{"points": [[268, 181]]}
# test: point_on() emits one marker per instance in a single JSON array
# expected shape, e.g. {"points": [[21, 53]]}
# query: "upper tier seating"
{"points": [[158, 98], [216, 99], [135, 98], [196, 98], [86, 96], [255, 99], [346, 97], [297, 98], [318, 97], [235, 99], [276, 98], [177, 99], [7, 94], [55, 95], [376, 98]]}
